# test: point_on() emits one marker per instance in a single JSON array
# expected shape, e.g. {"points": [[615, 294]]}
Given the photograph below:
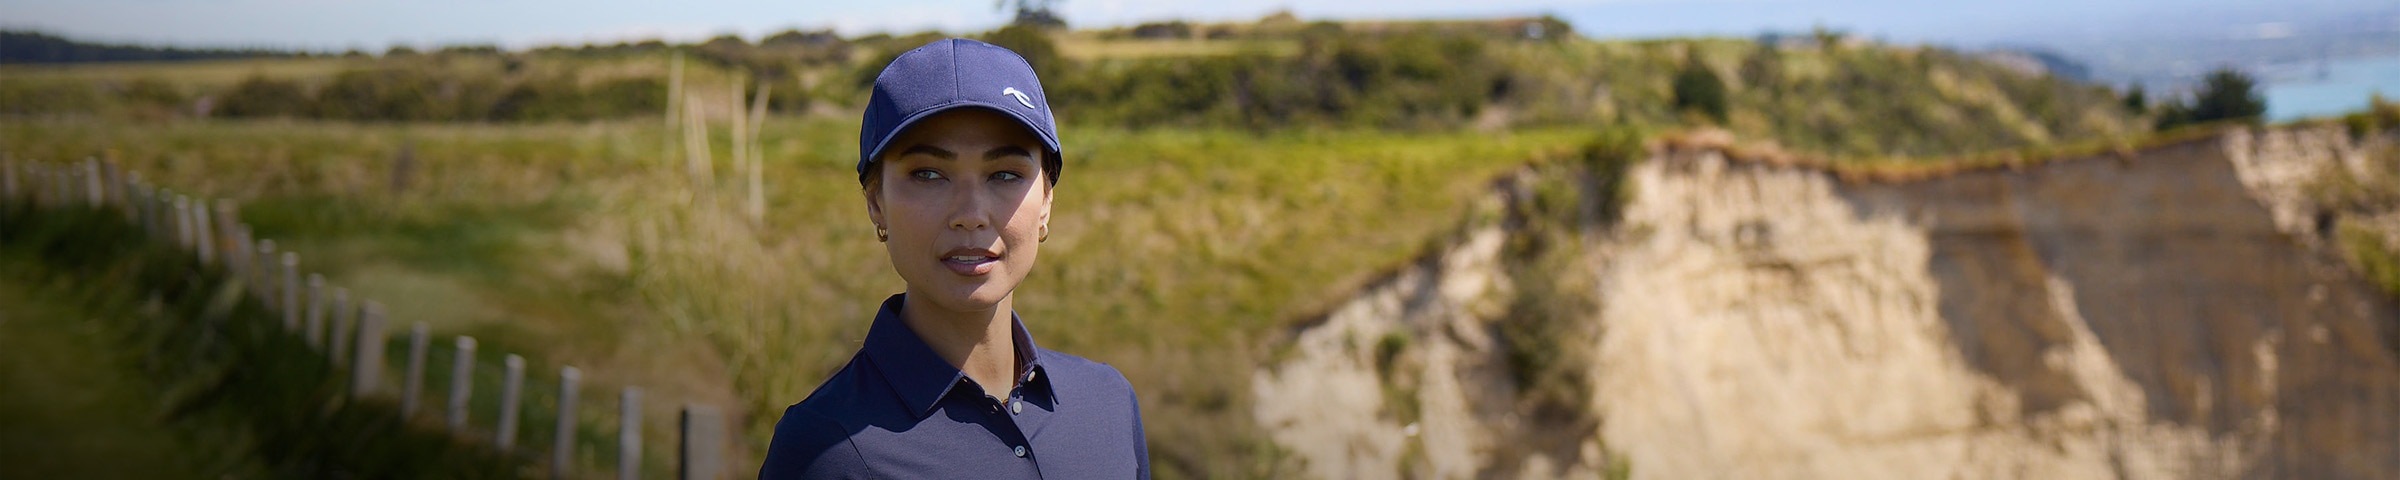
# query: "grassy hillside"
{"points": [[1174, 255], [1833, 95], [1217, 186]]}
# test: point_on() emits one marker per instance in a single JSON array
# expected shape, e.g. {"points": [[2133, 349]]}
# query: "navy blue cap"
{"points": [[947, 75]]}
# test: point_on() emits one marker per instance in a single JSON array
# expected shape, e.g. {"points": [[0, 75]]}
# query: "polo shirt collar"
{"points": [[922, 377]]}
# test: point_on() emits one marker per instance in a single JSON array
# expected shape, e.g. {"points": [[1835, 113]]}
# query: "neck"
{"points": [[981, 343]]}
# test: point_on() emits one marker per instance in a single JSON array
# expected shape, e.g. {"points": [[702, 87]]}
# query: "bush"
{"points": [[258, 96], [1028, 41], [1697, 89], [2380, 115], [2225, 95], [387, 93]]}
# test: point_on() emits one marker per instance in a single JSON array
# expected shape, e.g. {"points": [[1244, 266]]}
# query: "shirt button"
{"points": [[1017, 407], [1020, 451]]}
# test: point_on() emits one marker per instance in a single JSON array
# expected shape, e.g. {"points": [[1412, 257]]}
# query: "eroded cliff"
{"points": [[2170, 312]]}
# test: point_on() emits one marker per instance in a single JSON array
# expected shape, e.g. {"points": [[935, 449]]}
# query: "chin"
{"points": [[967, 295]]}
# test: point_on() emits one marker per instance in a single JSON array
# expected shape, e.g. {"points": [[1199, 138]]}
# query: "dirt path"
{"points": [[72, 404]]}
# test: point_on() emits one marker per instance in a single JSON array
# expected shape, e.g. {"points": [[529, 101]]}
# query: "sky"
{"points": [[377, 24]]}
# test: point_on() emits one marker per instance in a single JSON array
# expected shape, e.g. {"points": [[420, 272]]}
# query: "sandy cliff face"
{"points": [[2164, 314]]}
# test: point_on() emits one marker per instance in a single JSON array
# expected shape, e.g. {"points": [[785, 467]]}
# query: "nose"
{"points": [[969, 211]]}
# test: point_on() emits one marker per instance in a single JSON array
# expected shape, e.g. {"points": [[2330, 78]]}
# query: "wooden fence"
{"points": [[353, 333]]}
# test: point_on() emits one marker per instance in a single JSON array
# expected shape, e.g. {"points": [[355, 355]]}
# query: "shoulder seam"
{"points": [[850, 440]]}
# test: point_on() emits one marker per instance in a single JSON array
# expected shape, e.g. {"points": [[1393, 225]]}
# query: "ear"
{"points": [[1049, 192], [874, 193]]}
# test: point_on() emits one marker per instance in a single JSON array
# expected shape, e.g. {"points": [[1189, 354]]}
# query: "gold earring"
{"points": [[1045, 235], [881, 235]]}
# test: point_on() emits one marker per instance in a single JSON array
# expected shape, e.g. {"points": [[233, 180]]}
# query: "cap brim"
{"points": [[1049, 140]]}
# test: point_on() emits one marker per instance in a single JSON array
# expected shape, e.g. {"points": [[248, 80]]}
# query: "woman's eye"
{"points": [[926, 175], [1006, 176]]}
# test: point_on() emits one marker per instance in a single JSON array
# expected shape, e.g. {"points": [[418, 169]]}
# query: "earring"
{"points": [[881, 235], [1045, 238]]}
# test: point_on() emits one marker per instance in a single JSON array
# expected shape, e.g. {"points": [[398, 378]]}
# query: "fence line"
{"points": [[352, 334]]}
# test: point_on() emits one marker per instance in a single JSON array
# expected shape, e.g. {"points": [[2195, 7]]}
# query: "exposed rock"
{"points": [[2164, 314]]}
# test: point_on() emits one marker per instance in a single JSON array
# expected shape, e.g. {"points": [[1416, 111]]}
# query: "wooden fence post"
{"points": [[153, 207], [314, 328], [562, 450], [93, 194], [629, 434], [62, 187], [41, 185], [112, 182], [203, 238], [414, 385], [289, 289], [366, 372], [193, 228], [181, 208], [462, 382], [228, 220], [338, 319], [162, 214], [264, 271], [134, 200], [54, 187], [237, 253], [512, 390], [137, 207], [702, 451]]}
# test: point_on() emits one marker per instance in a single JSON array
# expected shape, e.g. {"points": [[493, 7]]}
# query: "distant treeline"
{"points": [[417, 95], [1827, 93], [17, 46]]}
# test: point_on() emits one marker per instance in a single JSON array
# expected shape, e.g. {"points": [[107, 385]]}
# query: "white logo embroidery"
{"points": [[1021, 98]]}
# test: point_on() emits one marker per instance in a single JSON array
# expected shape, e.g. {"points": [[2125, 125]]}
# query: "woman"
{"points": [[958, 154]]}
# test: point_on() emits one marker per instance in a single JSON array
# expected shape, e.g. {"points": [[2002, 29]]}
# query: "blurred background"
{"points": [[1502, 239]]}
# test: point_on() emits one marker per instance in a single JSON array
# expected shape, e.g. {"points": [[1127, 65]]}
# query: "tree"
{"points": [[2228, 94], [2136, 100], [1030, 42], [1033, 13], [1698, 89], [2225, 94]]}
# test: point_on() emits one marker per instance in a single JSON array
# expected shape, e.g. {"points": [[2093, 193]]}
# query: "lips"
{"points": [[970, 261]]}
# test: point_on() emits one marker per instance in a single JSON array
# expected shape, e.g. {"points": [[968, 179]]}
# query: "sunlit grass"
{"points": [[1175, 254]]}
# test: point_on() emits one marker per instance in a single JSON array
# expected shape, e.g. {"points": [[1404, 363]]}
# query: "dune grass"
{"points": [[1176, 255], [94, 416]]}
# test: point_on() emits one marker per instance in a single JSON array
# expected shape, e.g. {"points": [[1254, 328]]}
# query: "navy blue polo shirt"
{"points": [[900, 411]]}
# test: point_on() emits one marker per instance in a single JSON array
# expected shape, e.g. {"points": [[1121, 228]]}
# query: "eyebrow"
{"points": [[994, 154], [1005, 152], [923, 149]]}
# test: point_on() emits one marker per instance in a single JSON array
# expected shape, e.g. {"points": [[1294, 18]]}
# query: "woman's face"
{"points": [[964, 201]]}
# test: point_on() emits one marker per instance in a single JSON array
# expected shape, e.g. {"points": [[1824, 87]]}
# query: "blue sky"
{"points": [[376, 24]]}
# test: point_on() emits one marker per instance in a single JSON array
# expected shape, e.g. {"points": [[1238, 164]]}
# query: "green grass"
{"points": [[1178, 254], [1175, 255], [222, 374], [78, 405], [195, 74]]}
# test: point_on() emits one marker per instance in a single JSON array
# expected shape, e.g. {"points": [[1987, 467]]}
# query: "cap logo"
{"points": [[1020, 95]]}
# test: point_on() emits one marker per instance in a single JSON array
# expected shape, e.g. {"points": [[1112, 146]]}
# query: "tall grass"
{"points": [[261, 399], [1174, 255]]}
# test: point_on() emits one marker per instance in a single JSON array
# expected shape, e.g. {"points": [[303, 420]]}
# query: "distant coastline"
{"points": [[2330, 88]]}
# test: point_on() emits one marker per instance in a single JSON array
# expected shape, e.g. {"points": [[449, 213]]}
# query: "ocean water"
{"points": [[2332, 89]]}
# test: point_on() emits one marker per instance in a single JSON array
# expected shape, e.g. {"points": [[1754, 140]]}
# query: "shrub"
{"points": [[1697, 89], [2225, 95], [258, 96], [387, 93], [1031, 42]]}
